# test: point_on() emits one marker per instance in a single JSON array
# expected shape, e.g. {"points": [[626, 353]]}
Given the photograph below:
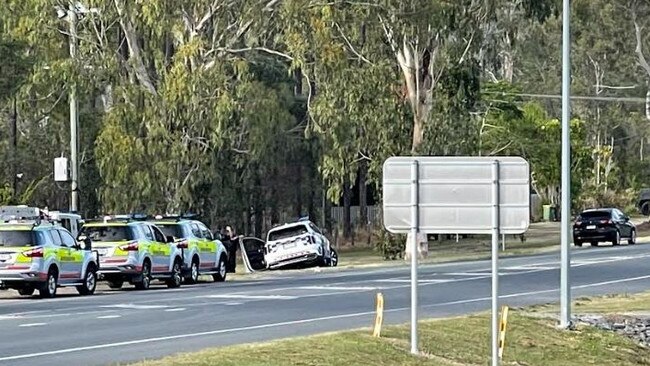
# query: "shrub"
{"points": [[623, 199], [391, 246]]}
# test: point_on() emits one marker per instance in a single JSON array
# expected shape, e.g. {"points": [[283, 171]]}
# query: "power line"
{"points": [[574, 97]]}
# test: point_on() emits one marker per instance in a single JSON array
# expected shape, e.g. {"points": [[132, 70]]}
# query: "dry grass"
{"points": [[457, 341]]}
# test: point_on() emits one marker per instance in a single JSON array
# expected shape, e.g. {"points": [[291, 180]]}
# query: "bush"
{"points": [[593, 198], [391, 246]]}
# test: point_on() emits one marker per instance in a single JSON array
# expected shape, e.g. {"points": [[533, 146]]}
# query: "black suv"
{"points": [[603, 225]]}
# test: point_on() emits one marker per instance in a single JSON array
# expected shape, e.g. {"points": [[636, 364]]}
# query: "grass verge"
{"points": [[530, 340]]}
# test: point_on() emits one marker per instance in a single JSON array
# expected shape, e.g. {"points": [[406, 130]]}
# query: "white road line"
{"points": [[32, 325], [249, 297], [18, 316], [409, 281], [174, 309], [528, 268], [231, 303], [135, 307], [109, 316], [336, 288]]}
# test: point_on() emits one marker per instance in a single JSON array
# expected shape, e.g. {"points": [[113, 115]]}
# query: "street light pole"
{"points": [[74, 117], [565, 242]]}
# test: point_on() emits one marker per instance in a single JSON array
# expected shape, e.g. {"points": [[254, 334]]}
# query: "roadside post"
{"points": [[379, 316], [456, 195], [503, 326]]}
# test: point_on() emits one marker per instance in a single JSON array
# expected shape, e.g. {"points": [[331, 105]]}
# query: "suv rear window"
{"points": [[174, 230], [108, 233], [596, 215], [288, 232], [17, 238]]}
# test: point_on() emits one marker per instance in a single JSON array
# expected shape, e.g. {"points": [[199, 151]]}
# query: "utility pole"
{"points": [[565, 242], [74, 118]]}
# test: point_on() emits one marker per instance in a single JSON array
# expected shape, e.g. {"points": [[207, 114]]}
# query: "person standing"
{"points": [[231, 242]]}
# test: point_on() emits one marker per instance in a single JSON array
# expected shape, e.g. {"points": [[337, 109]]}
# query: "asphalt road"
{"points": [[123, 326]]}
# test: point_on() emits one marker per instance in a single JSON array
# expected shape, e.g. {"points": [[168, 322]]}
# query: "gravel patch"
{"points": [[635, 327]]}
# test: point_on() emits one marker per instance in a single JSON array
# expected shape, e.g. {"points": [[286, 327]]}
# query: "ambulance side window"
{"points": [[148, 234], [56, 238], [196, 232], [43, 238], [158, 235], [205, 233], [67, 239]]}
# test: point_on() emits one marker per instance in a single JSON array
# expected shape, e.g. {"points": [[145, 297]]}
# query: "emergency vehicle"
{"points": [[134, 251], [36, 253], [202, 253]]}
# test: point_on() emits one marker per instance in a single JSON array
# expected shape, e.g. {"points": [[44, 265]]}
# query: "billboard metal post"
{"points": [[414, 255], [496, 223]]}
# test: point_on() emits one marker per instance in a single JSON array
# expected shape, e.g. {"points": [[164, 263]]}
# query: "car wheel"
{"points": [[116, 285], [26, 291], [645, 208], [222, 272], [594, 243], [334, 258], [632, 239], [194, 271], [145, 282], [176, 279], [49, 288], [617, 238], [90, 282], [577, 243]]}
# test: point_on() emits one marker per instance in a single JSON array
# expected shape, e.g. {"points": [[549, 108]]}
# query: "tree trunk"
{"points": [[363, 194], [598, 157], [13, 131], [418, 134], [347, 202], [136, 56], [298, 189], [327, 210], [647, 103], [258, 206], [297, 76]]}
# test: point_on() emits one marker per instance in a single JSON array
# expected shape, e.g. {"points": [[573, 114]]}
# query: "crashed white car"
{"points": [[298, 243]]}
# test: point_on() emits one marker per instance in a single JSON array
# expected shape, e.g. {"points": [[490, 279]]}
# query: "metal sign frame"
{"points": [[454, 194], [494, 209]]}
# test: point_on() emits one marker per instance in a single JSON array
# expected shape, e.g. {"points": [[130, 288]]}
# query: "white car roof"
{"points": [[293, 224]]}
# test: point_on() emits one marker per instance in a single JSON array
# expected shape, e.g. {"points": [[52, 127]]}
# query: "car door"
{"points": [[64, 257], [619, 223], [207, 246], [321, 239], [253, 250], [625, 224], [195, 242], [161, 250], [149, 242], [73, 260]]}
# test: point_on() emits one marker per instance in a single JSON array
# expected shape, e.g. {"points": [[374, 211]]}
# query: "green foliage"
{"points": [[6, 194], [391, 246], [529, 132], [255, 108]]}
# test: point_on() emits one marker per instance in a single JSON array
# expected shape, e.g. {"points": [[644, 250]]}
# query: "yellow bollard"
{"points": [[379, 317], [503, 323]]}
